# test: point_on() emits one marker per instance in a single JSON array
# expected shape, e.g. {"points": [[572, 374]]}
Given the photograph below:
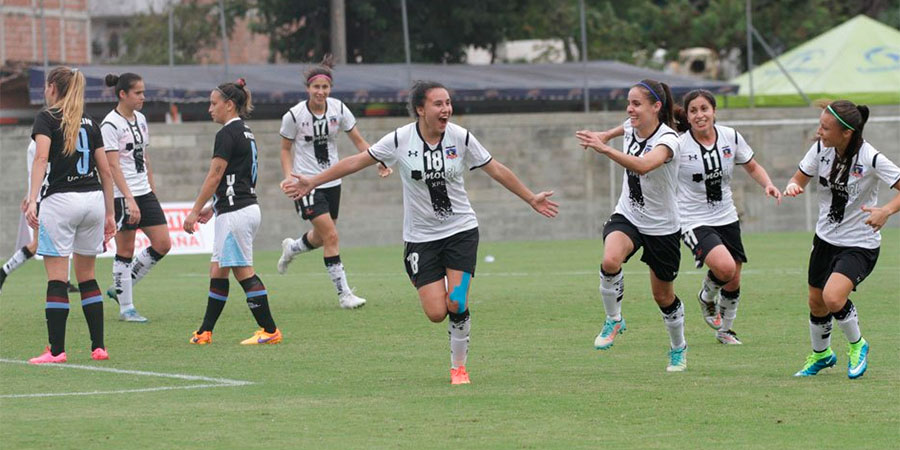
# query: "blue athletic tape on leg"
{"points": [[460, 292]]}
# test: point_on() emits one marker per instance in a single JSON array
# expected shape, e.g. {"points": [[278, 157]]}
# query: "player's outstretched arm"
{"points": [[797, 184], [539, 202], [759, 174], [302, 185]]}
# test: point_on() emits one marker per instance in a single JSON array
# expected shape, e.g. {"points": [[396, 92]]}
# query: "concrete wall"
{"points": [[540, 148]]}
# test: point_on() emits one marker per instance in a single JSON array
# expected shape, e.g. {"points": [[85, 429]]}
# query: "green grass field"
{"points": [[378, 377]]}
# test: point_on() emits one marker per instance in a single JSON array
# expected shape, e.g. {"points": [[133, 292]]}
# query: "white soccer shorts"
{"points": [[235, 230], [71, 222]]}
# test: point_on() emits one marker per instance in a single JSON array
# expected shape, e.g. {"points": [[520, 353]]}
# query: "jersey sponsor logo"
{"points": [[435, 179], [713, 174]]}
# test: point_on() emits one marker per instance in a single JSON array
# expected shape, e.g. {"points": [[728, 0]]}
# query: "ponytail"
{"points": [[239, 94], [69, 84], [124, 82]]}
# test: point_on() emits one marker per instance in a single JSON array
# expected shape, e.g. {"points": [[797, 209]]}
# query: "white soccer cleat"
{"points": [[349, 300], [286, 255]]}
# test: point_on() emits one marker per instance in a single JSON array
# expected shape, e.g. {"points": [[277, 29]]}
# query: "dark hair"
{"points": [[324, 68], [680, 114], [856, 117], [417, 94], [238, 94], [124, 82], [660, 92]]}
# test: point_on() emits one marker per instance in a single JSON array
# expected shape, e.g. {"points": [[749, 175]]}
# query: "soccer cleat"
{"points": [[131, 315], [201, 338], [677, 360], [99, 354], [611, 329], [113, 294], [261, 337], [71, 287], [816, 361], [728, 337], [48, 357], [2, 278], [459, 375], [859, 359], [286, 255], [349, 300], [710, 312]]}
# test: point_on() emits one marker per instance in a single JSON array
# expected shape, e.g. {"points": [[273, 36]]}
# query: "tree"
{"points": [[196, 28]]}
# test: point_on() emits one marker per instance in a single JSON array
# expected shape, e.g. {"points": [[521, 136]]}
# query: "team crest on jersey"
{"points": [[857, 170], [332, 121], [450, 152], [726, 152], [144, 127]]}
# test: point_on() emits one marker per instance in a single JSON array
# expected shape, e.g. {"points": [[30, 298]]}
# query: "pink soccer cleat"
{"points": [[48, 358], [99, 354]]}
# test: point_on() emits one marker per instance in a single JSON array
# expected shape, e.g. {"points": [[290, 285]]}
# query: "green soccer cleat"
{"points": [[859, 359], [816, 361]]}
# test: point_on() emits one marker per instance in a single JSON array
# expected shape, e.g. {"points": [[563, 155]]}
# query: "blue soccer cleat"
{"points": [[611, 329], [816, 361]]}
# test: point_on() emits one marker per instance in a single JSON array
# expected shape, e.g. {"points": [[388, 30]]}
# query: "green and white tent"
{"points": [[858, 60]]}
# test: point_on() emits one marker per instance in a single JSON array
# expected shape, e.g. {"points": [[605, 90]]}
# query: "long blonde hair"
{"points": [[69, 85]]}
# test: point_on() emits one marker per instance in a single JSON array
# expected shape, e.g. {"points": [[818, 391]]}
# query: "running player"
{"points": [[848, 237], [26, 239], [72, 216], [231, 182], [126, 138], [439, 225], [309, 133], [709, 220], [646, 215]]}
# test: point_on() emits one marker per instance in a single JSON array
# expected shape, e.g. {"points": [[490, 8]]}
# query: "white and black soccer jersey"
{"points": [[842, 222], [237, 189], [704, 178], [78, 171], [314, 136], [435, 204], [131, 140], [649, 201]]}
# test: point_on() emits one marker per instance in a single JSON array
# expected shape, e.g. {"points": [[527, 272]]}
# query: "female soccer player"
{"points": [[309, 133], [232, 178], [26, 239], [76, 209], [126, 138], [439, 225], [709, 220], [646, 215], [848, 237]]}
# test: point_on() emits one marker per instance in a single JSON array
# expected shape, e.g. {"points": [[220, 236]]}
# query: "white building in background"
{"points": [[522, 51]]}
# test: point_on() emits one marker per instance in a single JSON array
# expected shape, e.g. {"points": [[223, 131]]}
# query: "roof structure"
{"points": [[366, 83]]}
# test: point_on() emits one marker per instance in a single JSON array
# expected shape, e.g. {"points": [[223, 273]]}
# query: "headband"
{"points": [[320, 75], [836, 116], [652, 92]]}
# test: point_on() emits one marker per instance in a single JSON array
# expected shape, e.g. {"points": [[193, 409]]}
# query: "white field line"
{"points": [[210, 382]]}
